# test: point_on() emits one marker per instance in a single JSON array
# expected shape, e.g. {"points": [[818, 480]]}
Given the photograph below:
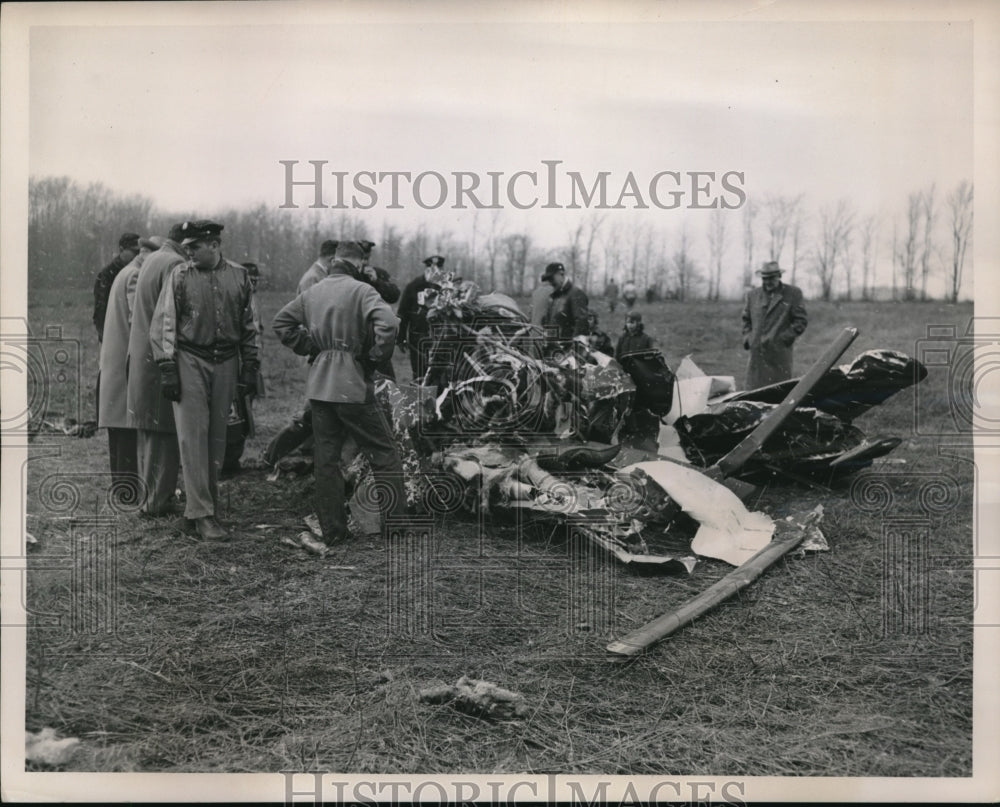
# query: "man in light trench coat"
{"points": [[774, 316], [147, 411]]}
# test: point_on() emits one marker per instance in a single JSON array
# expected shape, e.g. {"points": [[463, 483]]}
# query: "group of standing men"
{"points": [[179, 341]]}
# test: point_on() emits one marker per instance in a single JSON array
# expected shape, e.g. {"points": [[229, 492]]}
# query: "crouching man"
{"points": [[347, 329]]}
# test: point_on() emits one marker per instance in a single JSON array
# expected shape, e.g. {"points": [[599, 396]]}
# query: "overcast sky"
{"points": [[198, 116]]}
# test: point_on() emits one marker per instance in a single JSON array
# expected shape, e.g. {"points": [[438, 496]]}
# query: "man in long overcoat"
{"points": [[774, 316], [112, 391], [148, 411]]}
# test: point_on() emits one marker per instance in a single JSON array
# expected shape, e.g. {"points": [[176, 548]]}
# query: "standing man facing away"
{"points": [[128, 248], [112, 410], [348, 330], [148, 412], [774, 316], [320, 267], [205, 344], [414, 330]]}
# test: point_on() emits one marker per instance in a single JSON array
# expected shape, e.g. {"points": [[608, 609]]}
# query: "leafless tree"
{"points": [[684, 273], [960, 206], [929, 215], [716, 251], [836, 223], [906, 245], [492, 247], [516, 248], [781, 214], [749, 214], [798, 228], [869, 250], [612, 253]]}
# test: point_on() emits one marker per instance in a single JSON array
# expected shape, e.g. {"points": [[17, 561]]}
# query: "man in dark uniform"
{"points": [[568, 310], [774, 316], [414, 330], [128, 248], [205, 345]]}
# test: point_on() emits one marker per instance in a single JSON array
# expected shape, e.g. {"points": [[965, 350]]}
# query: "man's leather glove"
{"points": [[248, 379], [170, 380]]}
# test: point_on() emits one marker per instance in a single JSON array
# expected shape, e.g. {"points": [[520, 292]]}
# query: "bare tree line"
{"points": [[73, 229]]}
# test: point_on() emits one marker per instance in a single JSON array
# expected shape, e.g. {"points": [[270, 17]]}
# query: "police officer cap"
{"points": [[551, 269], [367, 246], [200, 230], [770, 269], [353, 250], [129, 241], [434, 260]]}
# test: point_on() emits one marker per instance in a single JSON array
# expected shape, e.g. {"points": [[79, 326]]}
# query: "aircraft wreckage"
{"points": [[517, 429]]}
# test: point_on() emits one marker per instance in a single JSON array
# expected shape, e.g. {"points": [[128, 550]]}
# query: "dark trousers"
{"points": [[419, 352], [159, 464], [367, 424], [124, 454]]}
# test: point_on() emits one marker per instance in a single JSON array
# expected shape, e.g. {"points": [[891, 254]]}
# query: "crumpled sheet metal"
{"points": [[727, 530]]}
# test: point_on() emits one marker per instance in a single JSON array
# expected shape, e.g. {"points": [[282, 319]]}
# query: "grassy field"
{"points": [[164, 653]]}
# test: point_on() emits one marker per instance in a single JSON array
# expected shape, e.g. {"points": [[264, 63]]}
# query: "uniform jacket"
{"points": [[348, 328], [102, 288], [412, 315], [146, 407], [629, 343], [383, 284], [771, 324], [111, 404], [207, 312], [567, 312]]}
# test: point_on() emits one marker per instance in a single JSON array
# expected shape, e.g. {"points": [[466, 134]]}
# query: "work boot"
{"points": [[209, 528]]}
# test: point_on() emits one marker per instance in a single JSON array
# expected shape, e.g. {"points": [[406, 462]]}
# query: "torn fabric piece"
{"points": [[727, 530]]}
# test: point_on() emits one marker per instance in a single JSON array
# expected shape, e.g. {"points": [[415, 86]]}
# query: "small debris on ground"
{"points": [[478, 698], [45, 748]]}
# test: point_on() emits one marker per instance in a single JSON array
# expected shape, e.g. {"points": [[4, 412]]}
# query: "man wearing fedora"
{"points": [[774, 316], [414, 330], [205, 345]]}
